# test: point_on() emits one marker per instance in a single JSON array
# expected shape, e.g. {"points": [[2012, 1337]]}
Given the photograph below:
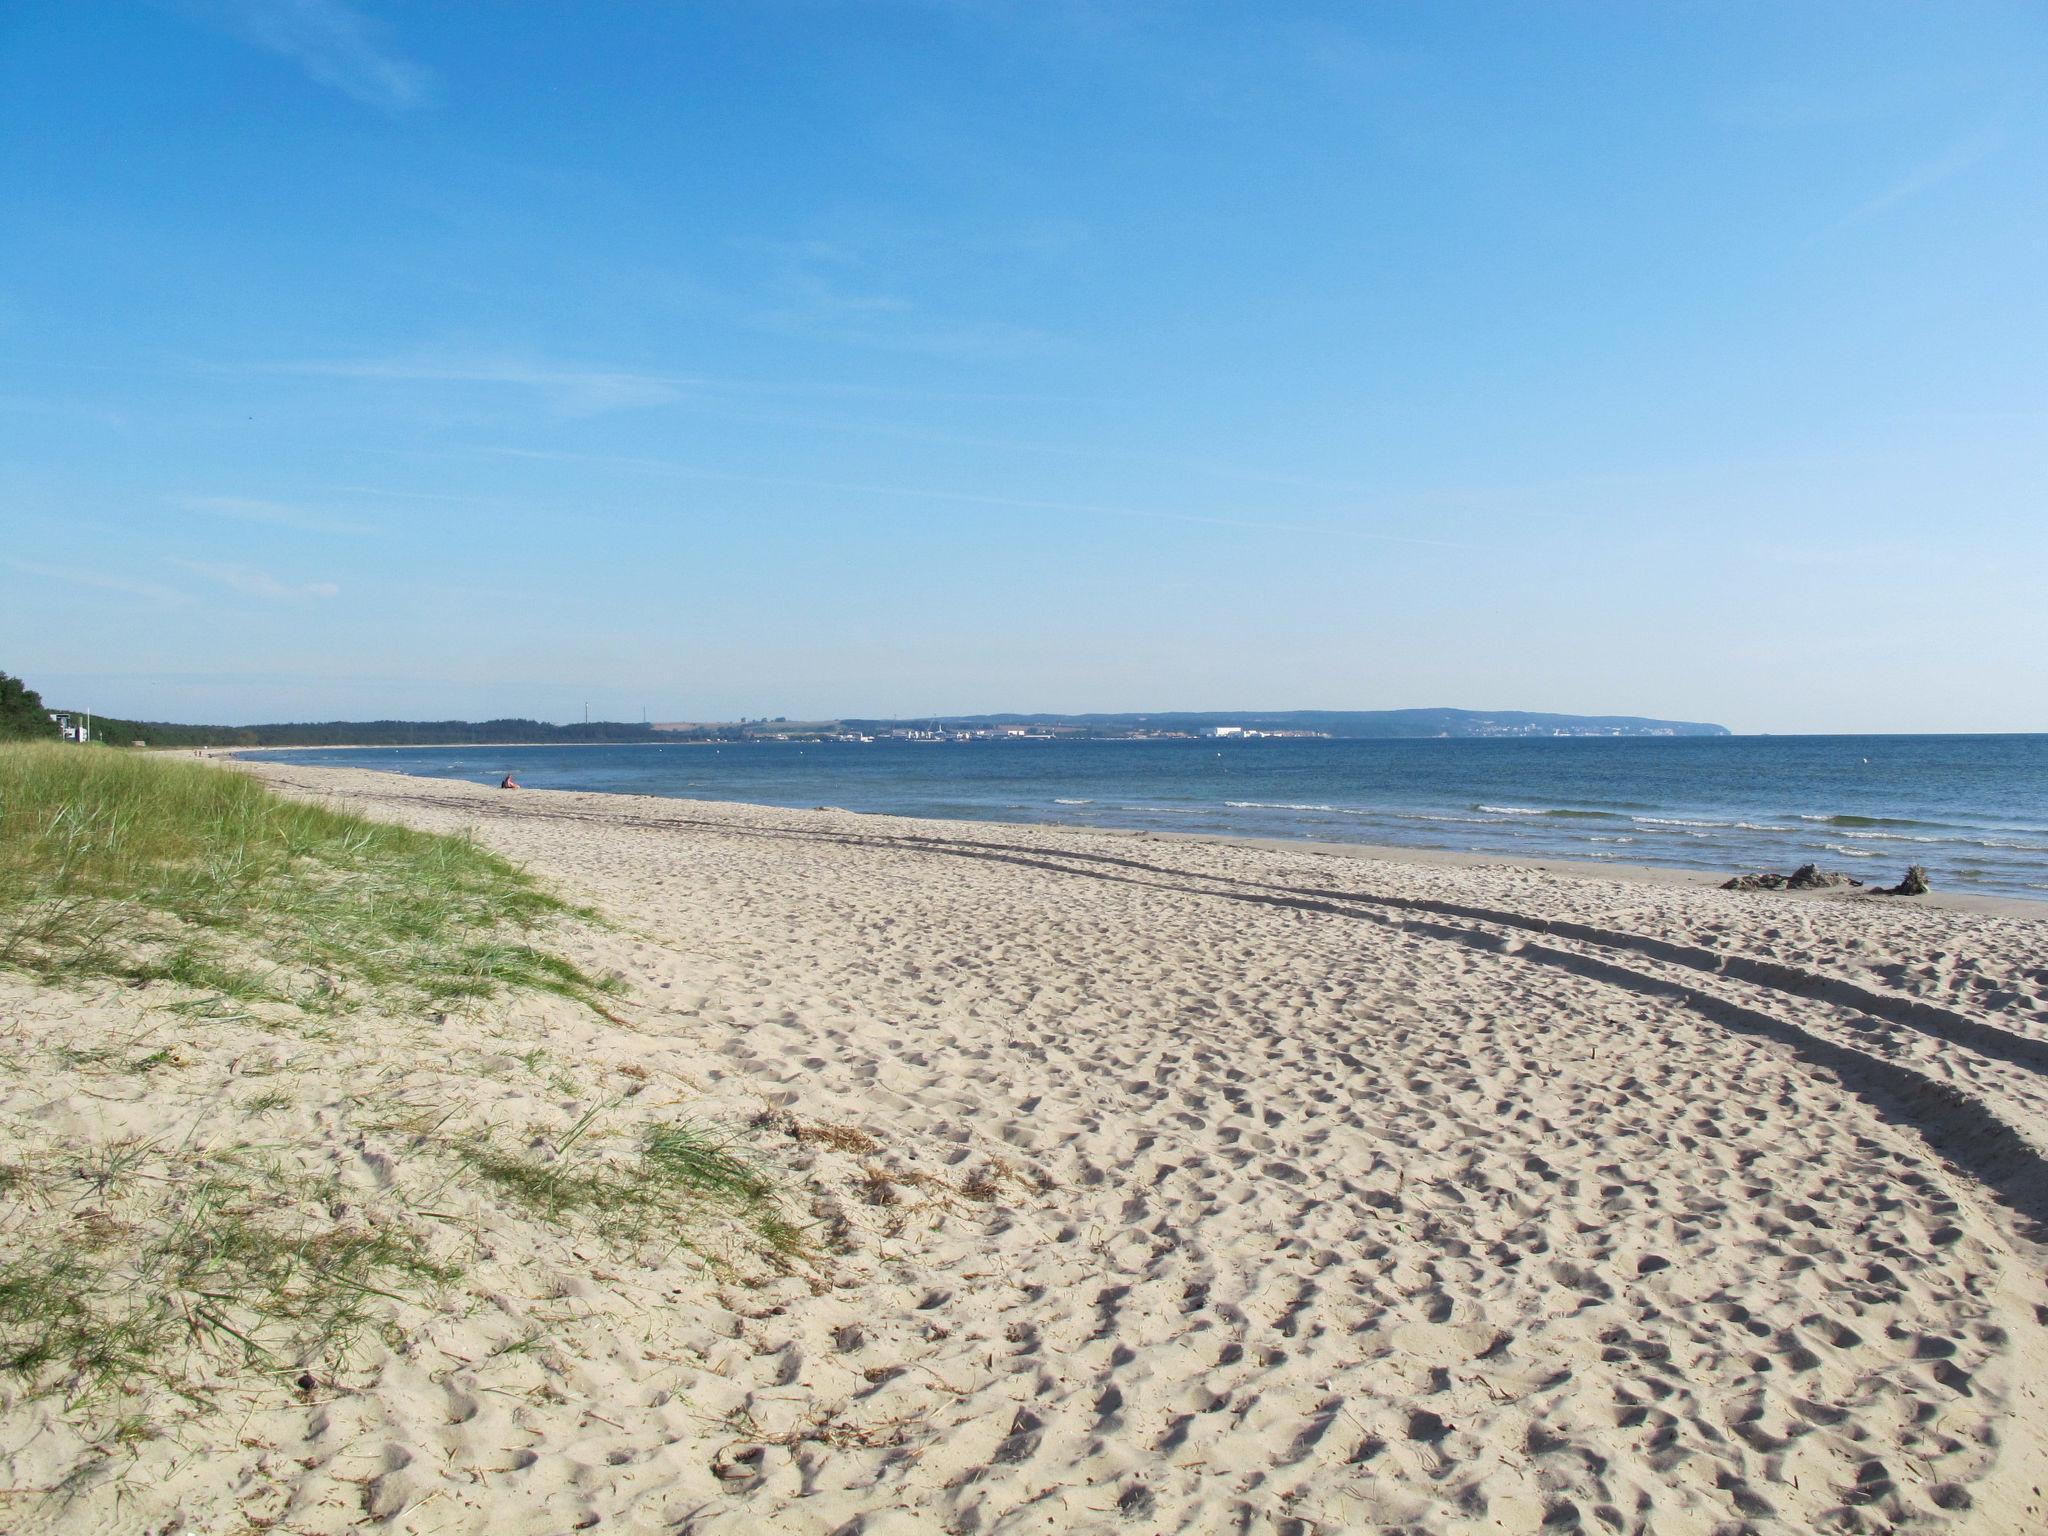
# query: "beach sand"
{"points": [[1174, 1185]]}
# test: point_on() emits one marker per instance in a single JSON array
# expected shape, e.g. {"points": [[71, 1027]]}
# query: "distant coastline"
{"points": [[1167, 725]]}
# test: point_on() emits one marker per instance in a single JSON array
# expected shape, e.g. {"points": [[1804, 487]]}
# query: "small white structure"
{"points": [[1224, 730]]}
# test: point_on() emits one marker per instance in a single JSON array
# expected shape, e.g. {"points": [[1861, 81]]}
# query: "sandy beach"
{"points": [[1161, 1185]]}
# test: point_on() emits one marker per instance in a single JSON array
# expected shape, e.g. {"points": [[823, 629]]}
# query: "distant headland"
{"points": [[1369, 724]]}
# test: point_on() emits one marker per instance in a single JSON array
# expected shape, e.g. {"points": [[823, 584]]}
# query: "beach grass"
{"points": [[152, 869], [137, 1263], [142, 1274], [680, 1170], [136, 1272]]}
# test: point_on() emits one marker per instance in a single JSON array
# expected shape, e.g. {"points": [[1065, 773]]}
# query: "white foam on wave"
{"points": [[1718, 826], [1058, 801]]}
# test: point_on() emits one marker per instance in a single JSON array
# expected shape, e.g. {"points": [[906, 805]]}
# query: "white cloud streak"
{"points": [[251, 582], [587, 389], [101, 581], [975, 498], [1959, 157], [823, 290], [575, 391], [334, 43], [272, 514]]}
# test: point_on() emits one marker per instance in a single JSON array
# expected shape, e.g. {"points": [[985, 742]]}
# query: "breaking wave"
{"points": [[1554, 810], [1870, 821]]}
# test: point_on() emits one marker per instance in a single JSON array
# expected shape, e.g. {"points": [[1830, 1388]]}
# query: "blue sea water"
{"points": [[1972, 809]]}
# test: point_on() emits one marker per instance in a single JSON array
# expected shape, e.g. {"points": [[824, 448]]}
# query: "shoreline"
{"points": [[1676, 876], [1669, 875]]}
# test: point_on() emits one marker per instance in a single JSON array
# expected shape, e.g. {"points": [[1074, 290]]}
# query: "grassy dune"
{"points": [[167, 924], [151, 868]]}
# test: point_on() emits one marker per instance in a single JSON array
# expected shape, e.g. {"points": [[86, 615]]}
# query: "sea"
{"points": [[1972, 809]]}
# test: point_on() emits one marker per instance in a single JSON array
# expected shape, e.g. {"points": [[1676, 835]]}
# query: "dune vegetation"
{"points": [[273, 1087], [120, 865]]}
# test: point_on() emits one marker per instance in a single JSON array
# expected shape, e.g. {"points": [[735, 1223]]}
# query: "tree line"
{"points": [[24, 716]]}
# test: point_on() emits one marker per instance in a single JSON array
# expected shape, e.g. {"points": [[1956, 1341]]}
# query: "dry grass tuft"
{"points": [[982, 1185], [878, 1186], [840, 1138]]}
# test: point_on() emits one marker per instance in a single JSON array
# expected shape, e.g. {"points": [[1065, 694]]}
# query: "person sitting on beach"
{"points": [[508, 782]]}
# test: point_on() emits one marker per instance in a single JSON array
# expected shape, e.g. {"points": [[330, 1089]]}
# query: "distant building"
{"points": [[1223, 730]]}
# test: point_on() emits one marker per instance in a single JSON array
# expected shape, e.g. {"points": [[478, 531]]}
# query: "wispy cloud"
{"points": [[1838, 92], [833, 291], [572, 389], [101, 581], [250, 582], [333, 43], [26, 405], [584, 389], [1959, 157], [975, 498], [273, 514], [906, 432], [389, 494]]}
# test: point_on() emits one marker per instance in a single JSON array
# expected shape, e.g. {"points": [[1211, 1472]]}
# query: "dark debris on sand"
{"points": [[1811, 877]]}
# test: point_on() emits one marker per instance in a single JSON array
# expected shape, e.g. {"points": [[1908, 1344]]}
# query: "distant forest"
{"points": [[366, 733]]}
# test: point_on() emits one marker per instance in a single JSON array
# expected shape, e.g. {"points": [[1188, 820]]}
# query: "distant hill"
{"points": [[1349, 723], [1384, 724]]}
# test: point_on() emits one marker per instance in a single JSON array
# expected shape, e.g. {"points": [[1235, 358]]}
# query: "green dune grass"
{"points": [[137, 1269], [148, 868]]}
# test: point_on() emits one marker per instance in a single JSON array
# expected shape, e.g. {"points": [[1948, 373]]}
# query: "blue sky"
{"points": [[945, 355]]}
